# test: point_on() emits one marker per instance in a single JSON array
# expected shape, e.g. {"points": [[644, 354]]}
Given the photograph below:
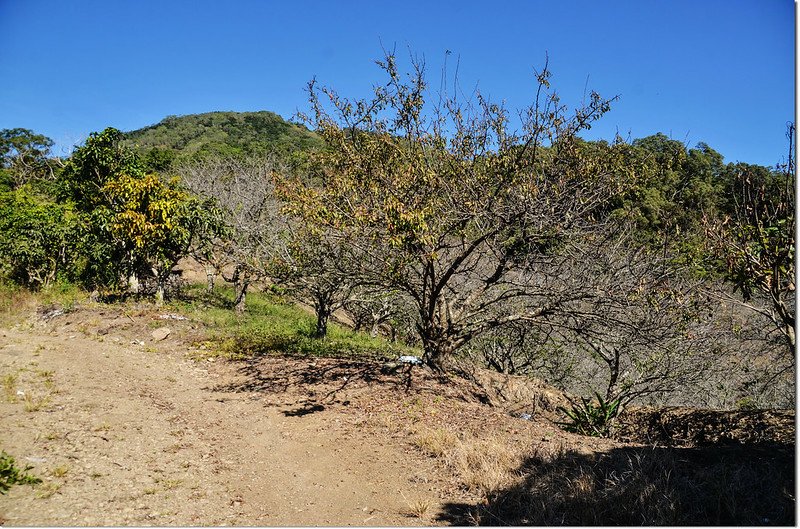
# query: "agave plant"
{"points": [[590, 418]]}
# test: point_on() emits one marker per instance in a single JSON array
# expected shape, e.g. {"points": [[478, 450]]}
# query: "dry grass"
{"points": [[10, 386], [59, 471], [650, 486], [480, 465], [484, 465], [47, 489], [33, 403], [436, 443], [37, 387], [419, 508]]}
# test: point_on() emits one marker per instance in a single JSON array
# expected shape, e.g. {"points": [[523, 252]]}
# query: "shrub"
{"points": [[10, 474], [588, 418]]}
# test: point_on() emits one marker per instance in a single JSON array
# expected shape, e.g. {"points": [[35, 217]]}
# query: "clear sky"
{"points": [[719, 71]]}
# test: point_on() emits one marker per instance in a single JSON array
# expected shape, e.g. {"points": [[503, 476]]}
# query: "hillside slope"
{"points": [[126, 428], [222, 133]]}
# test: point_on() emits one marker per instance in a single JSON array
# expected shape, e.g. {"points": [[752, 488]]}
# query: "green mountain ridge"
{"points": [[218, 133]]}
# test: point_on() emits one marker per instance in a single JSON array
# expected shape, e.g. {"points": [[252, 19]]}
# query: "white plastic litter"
{"points": [[410, 360]]}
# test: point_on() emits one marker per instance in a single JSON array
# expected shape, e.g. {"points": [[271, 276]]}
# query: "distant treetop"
{"points": [[218, 133]]}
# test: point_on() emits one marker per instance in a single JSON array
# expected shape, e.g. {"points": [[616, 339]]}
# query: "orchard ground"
{"points": [[125, 427]]}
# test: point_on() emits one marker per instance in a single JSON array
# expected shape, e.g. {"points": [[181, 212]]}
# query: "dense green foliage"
{"points": [[225, 134], [135, 223], [23, 157], [102, 220], [37, 237]]}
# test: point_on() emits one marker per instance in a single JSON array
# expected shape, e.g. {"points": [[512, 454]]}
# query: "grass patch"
{"points": [[10, 386], [14, 300], [273, 324], [436, 443], [481, 465], [59, 471], [484, 465], [419, 508], [32, 403]]}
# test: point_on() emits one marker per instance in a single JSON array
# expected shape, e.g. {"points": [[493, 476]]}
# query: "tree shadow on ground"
{"points": [[326, 380], [709, 485]]}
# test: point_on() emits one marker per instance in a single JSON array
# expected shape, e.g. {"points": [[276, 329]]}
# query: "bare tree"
{"points": [[243, 191], [642, 323], [372, 308], [313, 267], [449, 204]]}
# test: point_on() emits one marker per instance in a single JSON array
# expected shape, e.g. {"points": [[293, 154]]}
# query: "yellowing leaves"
{"points": [[148, 214]]}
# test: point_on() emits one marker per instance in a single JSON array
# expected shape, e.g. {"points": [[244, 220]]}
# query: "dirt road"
{"points": [[130, 433]]}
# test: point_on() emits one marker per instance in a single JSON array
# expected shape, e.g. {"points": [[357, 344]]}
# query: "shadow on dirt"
{"points": [[710, 485], [304, 410], [322, 378], [326, 380]]}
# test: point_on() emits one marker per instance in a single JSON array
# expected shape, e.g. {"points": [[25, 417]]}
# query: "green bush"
{"points": [[37, 238]]}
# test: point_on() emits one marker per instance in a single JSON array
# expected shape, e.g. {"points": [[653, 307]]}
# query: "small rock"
{"points": [[160, 333], [172, 317]]}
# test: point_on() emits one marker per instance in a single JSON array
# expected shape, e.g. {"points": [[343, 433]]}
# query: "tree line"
{"points": [[454, 225]]}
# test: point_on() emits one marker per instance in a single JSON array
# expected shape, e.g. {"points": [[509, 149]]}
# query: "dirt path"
{"points": [[127, 434]]}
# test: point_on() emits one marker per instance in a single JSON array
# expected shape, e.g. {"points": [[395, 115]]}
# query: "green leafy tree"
{"points": [[37, 238], [153, 221], [24, 155], [756, 242], [133, 223]]}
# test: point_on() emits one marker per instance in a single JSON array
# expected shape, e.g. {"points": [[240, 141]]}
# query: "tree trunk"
{"points": [[241, 295], [209, 279], [241, 281], [160, 293], [323, 306], [162, 274], [376, 323], [437, 350], [322, 324], [133, 283]]}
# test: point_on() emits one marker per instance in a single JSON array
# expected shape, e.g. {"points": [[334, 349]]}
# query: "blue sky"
{"points": [[698, 70]]}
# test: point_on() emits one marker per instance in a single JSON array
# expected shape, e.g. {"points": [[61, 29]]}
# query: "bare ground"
{"points": [[125, 429]]}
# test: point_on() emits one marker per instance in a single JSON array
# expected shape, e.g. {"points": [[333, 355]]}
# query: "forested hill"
{"points": [[224, 133]]}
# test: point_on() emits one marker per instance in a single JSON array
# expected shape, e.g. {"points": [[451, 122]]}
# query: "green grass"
{"points": [[273, 324], [15, 300]]}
